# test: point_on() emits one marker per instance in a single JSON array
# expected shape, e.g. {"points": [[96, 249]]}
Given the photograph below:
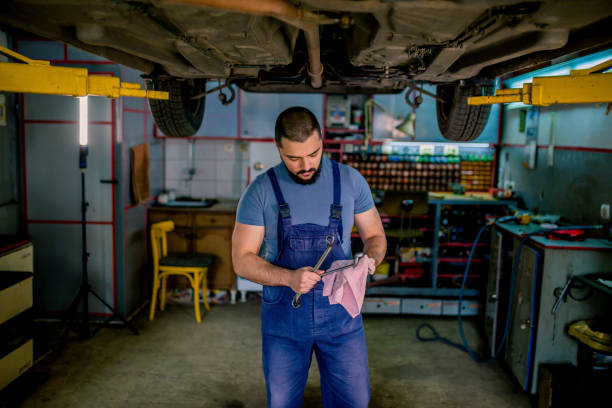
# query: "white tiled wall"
{"points": [[220, 167]]}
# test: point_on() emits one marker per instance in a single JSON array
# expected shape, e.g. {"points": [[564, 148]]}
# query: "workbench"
{"points": [[206, 230]]}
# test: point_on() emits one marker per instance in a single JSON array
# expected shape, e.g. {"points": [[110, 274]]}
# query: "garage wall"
{"points": [[9, 191], [579, 140], [426, 124], [215, 162], [116, 226]]}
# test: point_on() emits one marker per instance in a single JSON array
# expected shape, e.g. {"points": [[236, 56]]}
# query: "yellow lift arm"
{"points": [[38, 76], [580, 86]]}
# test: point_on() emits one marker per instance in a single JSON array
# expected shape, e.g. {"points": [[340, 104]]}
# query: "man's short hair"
{"points": [[296, 124]]}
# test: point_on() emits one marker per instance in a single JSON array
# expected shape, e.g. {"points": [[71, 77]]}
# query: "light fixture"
{"points": [[73, 319], [83, 129], [391, 142], [83, 120], [406, 126]]}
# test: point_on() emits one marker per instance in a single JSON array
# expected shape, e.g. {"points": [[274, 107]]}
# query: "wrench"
{"points": [[356, 259], [330, 242]]}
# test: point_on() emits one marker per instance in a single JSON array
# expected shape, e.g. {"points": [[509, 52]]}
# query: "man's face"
{"points": [[303, 159]]}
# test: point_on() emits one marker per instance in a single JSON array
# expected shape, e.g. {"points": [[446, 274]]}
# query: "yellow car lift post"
{"points": [[580, 86], [38, 76]]}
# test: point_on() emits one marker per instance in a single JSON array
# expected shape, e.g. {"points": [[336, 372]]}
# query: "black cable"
{"points": [[436, 336], [465, 347]]}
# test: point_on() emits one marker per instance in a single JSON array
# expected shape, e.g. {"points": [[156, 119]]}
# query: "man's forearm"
{"points": [[376, 248], [257, 269]]}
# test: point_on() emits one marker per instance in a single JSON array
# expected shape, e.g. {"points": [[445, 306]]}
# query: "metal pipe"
{"points": [[313, 45], [303, 19]]}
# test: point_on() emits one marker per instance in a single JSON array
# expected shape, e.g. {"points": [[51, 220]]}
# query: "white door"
{"points": [[262, 156]]}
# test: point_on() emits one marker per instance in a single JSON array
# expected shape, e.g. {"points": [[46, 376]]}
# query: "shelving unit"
{"points": [[422, 285], [17, 352], [442, 272]]}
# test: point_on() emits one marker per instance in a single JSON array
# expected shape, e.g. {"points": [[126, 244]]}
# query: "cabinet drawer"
{"points": [[381, 305], [16, 363], [214, 220], [20, 259], [15, 294], [469, 307], [421, 306], [180, 219]]}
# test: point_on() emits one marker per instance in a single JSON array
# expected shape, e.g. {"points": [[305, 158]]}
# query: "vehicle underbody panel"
{"points": [[365, 46]]}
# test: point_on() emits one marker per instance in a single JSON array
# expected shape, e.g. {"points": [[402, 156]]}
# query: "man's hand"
{"points": [[371, 264], [304, 279]]}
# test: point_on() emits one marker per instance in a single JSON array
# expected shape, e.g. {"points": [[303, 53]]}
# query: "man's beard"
{"points": [[302, 181]]}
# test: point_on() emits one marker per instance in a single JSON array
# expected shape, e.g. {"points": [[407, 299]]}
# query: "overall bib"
{"points": [[289, 335]]}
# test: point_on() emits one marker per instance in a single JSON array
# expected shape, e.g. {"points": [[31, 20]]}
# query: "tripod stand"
{"points": [[71, 320]]}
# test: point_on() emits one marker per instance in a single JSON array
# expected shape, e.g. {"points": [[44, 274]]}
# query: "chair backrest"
{"points": [[159, 241]]}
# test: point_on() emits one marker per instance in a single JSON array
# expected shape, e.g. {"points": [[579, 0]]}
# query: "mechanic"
{"points": [[282, 222]]}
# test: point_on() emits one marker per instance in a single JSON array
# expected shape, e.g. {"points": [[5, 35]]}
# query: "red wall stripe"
{"points": [[113, 203], [23, 162], [82, 62], [239, 113], [134, 110]]}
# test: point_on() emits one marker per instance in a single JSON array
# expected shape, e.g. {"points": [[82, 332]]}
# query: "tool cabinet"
{"points": [[536, 335]]}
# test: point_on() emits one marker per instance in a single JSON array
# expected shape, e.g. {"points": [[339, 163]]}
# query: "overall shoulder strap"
{"points": [[284, 215], [335, 216]]}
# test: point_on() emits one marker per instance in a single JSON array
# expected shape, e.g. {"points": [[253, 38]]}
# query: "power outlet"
{"points": [[604, 211], [229, 147]]}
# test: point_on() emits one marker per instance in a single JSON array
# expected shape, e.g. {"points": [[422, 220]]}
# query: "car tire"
{"points": [[179, 116], [457, 120]]}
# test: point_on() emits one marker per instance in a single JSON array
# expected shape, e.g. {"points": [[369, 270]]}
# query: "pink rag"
{"points": [[347, 287]]}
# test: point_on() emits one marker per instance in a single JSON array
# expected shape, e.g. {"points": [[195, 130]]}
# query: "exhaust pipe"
{"points": [[305, 20]]}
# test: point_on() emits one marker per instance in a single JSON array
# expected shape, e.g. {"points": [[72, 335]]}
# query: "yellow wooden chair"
{"points": [[192, 265]]}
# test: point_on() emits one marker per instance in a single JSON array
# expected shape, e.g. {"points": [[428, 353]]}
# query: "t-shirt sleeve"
{"points": [[363, 197], [250, 207]]}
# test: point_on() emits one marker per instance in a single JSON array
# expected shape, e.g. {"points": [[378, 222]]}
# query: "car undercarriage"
{"points": [[329, 46]]}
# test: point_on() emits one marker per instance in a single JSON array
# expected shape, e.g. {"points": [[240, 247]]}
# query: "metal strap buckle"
{"points": [[284, 210], [336, 211]]}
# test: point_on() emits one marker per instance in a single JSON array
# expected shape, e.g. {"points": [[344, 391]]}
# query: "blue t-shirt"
{"points": [[307, 203]]}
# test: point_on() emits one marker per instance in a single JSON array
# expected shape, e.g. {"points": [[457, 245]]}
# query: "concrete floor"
{"points": [[175, 362]]}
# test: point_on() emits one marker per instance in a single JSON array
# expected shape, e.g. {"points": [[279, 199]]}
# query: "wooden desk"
{"points": [[203, 230]]}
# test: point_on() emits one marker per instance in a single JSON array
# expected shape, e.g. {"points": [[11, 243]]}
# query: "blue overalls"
{"points": [[290, 335]]}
